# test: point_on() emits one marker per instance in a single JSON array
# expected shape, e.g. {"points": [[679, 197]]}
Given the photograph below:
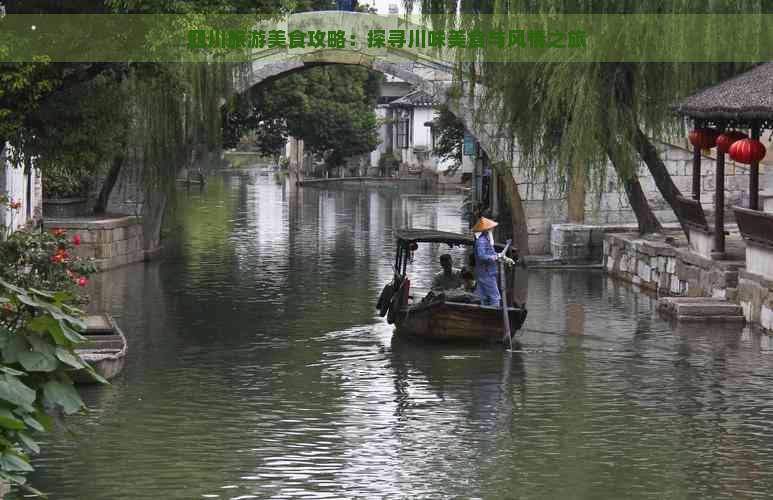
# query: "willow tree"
{"points": [[574, 118]]}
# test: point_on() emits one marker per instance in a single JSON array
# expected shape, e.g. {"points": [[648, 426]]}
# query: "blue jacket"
{"points": [[485, 268]]}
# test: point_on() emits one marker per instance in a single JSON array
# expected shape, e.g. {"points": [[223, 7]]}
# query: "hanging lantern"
{"points": [[704, 138], [747, 151], [724, 141]]}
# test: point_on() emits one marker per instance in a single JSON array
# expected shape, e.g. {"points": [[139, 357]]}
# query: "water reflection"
{"points": [[258, 368]]}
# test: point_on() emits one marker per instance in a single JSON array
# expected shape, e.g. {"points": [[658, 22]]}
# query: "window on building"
{"points": [[402, 133]]}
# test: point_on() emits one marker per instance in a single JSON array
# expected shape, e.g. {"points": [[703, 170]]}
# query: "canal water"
{"points": [[258, 368]]}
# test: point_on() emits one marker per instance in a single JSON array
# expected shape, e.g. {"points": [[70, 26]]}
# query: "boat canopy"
{"points": [[408, 236]]}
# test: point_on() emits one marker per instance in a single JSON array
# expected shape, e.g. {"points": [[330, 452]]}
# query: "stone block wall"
{"points": [[667, 270], [577, 243], [755, 294], [112, 242]]}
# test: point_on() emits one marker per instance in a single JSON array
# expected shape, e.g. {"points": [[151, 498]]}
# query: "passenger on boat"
{"points": [[449, 278], [485, 263], [468, 277], [466, 292]]}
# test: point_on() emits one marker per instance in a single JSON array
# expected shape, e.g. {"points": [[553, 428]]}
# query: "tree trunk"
{"points": [[153, 211], [107, 186], [517, 214], [644, 147], [576, 196], [647, 221]]}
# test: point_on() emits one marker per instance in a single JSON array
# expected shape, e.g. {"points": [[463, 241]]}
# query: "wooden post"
{"points": [[719, 208], [696, 173], [754, 175]]}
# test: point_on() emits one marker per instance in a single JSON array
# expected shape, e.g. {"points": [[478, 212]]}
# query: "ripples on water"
{"points": [[257, 368]]}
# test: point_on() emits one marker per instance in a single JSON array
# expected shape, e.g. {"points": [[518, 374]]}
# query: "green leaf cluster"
{"points": [[449, 135], [39, 332], [330, 107]]}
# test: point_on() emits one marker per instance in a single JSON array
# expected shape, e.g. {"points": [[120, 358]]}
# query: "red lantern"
{"points": [[747, 151], [724, 141], [704, 138]]}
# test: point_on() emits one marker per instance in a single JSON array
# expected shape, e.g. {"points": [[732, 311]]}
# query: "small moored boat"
{"points": [[104, 349], [441, 316]]}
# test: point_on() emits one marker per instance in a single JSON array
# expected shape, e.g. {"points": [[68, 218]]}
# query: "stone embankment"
{"points": [[665, 265], [112, 241]]}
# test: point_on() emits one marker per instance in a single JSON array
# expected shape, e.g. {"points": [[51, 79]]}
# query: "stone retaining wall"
{"points": [[755, 294], [111, 241], [668, 270]]}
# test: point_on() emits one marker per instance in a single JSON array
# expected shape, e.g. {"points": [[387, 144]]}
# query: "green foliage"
{"points": [[80, 129], [248, 114], [38, 336], [329, 107], [66, 180], [39, 331], [449, 135], [22, 87]]}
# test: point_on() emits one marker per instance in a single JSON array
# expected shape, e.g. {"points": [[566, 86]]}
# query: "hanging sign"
{"points": [[469, 145]]}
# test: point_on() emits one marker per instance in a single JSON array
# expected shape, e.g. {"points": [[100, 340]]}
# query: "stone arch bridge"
{"points": [[420, 67], [432, 75]]}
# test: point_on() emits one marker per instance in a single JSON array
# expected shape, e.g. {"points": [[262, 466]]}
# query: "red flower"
{"points": [[59, 231], [82, 281], [76, 240], [7, 306], [15, 205], [56, 259]]}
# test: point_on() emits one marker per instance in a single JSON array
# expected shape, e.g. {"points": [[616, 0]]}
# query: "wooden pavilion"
{"points": [[744, 103]]}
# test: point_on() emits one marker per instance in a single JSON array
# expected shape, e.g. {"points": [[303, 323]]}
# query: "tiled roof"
{"points": [[748, 96], [414, 98]]}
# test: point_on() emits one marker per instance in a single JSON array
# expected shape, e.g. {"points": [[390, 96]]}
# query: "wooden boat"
{"points": [[440, 316], [105, 349]]}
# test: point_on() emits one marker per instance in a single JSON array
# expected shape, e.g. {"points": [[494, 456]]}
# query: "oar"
{"points": [[503, 293]]}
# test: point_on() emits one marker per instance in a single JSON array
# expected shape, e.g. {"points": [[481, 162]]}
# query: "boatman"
{"points": [[486, 263]]}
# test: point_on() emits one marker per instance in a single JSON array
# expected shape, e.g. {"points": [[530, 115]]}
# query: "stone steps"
{"points": [[700, 309]]}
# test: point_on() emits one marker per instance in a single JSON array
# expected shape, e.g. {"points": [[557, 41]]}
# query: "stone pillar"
{"points": [[295, 160]]}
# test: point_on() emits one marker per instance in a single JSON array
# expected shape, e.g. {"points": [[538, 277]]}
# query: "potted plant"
{"points": [[66, 191]]}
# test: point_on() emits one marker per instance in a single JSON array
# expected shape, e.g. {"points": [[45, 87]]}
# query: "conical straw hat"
{"points": [[484, 224]]}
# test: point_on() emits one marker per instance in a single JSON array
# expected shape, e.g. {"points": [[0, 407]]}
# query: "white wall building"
{"points": [[412, 135], [20, 187]]}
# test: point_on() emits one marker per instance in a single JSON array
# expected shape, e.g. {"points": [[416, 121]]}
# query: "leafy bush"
{"points": [[60, 181], [39, 331], [38, 335]]}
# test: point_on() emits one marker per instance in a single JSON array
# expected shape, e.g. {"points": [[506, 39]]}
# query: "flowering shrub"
{"points": [[45, 260], [38, 336]]}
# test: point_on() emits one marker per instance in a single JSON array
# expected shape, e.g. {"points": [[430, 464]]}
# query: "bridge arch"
{"points": [[432, 76]]}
